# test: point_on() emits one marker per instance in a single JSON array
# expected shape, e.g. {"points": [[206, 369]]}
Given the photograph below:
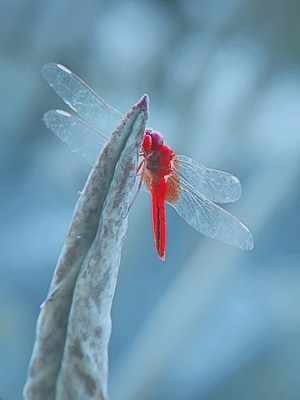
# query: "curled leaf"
{"points": [[69, 359]]}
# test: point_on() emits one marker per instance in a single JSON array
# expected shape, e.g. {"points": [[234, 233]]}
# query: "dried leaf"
{"points": [[69, 359]]}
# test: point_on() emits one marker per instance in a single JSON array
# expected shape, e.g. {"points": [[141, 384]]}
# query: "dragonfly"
{"points": [[192, 189]]}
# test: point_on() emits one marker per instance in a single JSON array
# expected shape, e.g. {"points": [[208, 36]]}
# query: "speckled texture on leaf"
{"points": [[69, 359]]}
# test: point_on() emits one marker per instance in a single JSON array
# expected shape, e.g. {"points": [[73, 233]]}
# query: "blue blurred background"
{"points": [[211, 322]]}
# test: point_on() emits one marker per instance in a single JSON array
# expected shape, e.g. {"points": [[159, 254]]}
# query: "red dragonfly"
{"points": [[191, 188]]}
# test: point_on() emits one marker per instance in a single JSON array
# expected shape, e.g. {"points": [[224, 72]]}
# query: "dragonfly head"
{"points": [[152, 141]]}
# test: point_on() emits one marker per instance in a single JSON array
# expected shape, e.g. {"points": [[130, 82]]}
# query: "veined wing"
{"points": [[217, 186], [81, 98], [83, 138], [209, 218]]}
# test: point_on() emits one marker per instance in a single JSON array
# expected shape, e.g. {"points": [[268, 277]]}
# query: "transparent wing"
{"points": [[83, 138], [208, 218], [215, 185], [81, 98]]}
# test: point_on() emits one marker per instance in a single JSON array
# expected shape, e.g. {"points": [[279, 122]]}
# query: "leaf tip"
{"points": [[144, 102]]}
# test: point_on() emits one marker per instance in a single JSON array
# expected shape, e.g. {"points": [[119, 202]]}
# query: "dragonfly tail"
{"points": [[159, 226]]}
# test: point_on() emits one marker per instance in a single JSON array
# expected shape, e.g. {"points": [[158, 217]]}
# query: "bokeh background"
{"points": [[211, 322]]}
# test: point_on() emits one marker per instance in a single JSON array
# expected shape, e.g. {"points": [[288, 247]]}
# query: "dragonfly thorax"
{"points": [[157, 155]]}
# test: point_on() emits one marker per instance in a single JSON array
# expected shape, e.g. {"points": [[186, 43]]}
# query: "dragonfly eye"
{"points": [[147, 141], [157, 139], [152, 141]]}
